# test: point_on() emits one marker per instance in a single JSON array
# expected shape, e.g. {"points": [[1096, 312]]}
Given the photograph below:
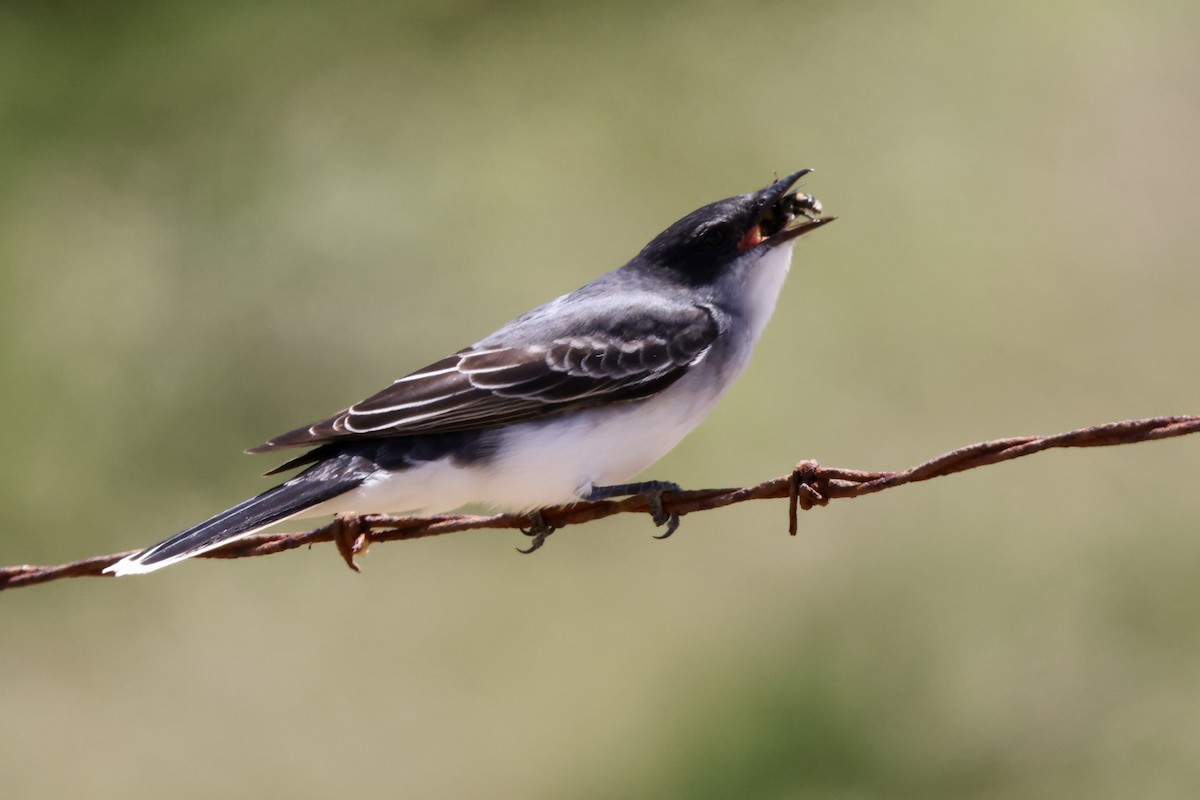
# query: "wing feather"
{"points": [[481, 387]]}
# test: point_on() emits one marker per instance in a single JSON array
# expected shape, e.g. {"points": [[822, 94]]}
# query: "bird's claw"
{"points": [[653, 492], [538, 531], [661, 516]]}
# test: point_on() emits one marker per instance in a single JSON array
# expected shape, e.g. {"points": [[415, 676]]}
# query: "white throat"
{"points": [[752, 288]]}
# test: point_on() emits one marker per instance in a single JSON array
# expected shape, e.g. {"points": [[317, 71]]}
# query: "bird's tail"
{"points": [[248, 517]]}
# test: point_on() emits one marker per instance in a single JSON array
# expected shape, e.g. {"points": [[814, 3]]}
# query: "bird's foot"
{"points": [[653, 492], [350, 536], [538, 530]]}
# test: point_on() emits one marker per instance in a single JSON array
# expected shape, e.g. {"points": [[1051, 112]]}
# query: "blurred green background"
{"points": [[220, 220]]}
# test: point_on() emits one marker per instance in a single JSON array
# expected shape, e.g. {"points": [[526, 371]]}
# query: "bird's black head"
{"points": [[708, 240]]}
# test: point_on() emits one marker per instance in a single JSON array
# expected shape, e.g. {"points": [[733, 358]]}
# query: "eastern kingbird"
{"points": [[561, 404]]}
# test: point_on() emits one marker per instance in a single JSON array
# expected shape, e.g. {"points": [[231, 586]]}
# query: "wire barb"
{"points": [[350, 537], [808, 485]]}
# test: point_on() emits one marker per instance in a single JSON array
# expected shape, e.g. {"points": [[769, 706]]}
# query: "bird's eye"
{"points": [[714, 236]]}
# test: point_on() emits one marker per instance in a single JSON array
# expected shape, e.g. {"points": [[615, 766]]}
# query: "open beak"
{"points": [[784, 216]]}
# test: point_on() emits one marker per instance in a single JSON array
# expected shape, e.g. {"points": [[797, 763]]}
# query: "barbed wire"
{"points": [[808, 485]]}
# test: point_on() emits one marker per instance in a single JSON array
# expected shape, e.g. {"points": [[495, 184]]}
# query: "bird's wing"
{"points": [[484, 386]]}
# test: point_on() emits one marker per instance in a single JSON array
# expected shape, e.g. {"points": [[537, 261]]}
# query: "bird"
{"points": [[567, 402]]}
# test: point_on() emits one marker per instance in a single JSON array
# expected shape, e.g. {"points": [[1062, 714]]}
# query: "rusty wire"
{"points": [[808, 485]]}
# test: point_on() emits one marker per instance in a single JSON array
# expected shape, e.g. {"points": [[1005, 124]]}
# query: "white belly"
{"points": [[561, 462], [541, 463]]}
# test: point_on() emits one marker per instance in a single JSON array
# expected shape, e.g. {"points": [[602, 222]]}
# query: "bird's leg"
{"points": [[538, 530], [350, 536], [653, 492]]}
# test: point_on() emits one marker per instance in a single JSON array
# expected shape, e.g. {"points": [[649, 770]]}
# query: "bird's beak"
{"points": [[782, 216]]}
